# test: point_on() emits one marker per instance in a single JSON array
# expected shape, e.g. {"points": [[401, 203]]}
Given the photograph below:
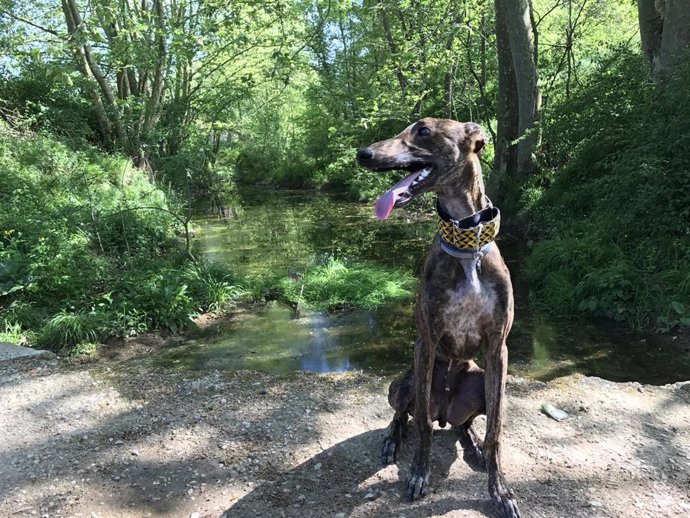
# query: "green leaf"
{"points": [[7, 268], [678, 307], [5, 291]]}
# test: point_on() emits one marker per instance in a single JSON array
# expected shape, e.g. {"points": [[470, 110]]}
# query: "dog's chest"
{"points": [[468, 311]]}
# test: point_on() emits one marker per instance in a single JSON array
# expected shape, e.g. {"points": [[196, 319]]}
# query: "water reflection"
{"points": [[288, 231], [273, 341], [285, 232], [319, 357]]}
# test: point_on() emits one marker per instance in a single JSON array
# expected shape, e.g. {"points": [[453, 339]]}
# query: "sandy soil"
{"points": [[123, 437]]}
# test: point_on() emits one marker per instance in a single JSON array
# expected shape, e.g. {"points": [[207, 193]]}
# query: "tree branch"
{"points": [[32, 24]]}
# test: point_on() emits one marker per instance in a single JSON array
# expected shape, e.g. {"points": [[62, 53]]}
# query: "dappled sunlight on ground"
{"points": [[131, 438]]}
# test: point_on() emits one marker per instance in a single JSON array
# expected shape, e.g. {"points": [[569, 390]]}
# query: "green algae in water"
{"points": [[291, 231]]}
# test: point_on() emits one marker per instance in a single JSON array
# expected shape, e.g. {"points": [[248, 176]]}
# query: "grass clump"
{"points": [[65, 330], [83, 349], [169, 297], [12, 332], [336, 284]]}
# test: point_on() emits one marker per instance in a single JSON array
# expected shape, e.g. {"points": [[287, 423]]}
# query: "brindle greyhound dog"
{"points": [[465, 301], [457, 397]]}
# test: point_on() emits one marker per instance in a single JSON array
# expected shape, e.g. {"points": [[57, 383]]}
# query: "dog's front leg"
{"points": [[495, 382], [418, 483]]}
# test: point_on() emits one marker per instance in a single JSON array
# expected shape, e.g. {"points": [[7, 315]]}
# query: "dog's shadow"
{"points": [[350, 475]]}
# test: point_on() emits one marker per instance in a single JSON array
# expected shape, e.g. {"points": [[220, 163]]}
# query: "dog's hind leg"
{"points": [[400, 397], [471, 445], [393, 440]]}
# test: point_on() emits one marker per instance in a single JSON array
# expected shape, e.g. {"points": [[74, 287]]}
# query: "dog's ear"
{"points": [[475, 137]]}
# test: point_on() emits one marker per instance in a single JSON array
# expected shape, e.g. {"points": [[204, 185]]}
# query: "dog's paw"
{"points": [[472, 451], [478, 456], [389, 451], [475, 458], [508, 506], [504, 498], [417, 485], [480, 460]]}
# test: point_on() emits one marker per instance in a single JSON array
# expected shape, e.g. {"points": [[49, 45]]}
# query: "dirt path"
{"points": [[129, 439]]}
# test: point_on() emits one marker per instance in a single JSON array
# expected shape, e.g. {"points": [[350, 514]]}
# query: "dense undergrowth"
{"points": [[334, 171], [90, 248], [614, 209]]}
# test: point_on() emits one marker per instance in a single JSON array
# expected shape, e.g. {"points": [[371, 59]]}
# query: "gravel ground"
{"points": [[124, 437]]}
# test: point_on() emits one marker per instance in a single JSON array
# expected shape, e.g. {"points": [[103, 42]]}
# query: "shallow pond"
{"points": [[279, 233]]}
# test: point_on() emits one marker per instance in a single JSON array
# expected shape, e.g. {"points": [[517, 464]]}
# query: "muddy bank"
{"points": [[129, 438]]}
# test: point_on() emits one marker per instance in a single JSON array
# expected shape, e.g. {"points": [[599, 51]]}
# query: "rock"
{"points": [[10, 351], [195, 515], [553, 412]]}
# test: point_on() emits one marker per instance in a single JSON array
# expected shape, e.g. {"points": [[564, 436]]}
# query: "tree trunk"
{"points": [[154, 100], [91, 87], [651, 24], [450, 72], [348, 65], [521, 39], [88, 65], [481, 81], [392, 46], [665, 34], [505, 161], [675, 37]]}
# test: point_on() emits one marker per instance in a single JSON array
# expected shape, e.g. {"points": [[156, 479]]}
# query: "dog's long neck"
{"points": [[463, 194]]}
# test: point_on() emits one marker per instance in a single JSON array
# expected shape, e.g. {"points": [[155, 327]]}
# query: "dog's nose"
{"points": [[365, 154]]}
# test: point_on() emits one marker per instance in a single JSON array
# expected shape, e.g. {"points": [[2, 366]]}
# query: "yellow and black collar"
{"points": [[473, 234]]}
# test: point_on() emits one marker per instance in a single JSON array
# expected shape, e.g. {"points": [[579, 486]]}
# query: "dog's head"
{"points": [[433, 151]]}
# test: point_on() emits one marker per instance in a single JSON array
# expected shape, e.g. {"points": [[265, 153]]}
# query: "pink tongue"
{"points": [[385, 203]]}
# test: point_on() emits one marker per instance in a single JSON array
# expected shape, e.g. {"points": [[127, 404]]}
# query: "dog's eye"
{"points": [[424, 131]]}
